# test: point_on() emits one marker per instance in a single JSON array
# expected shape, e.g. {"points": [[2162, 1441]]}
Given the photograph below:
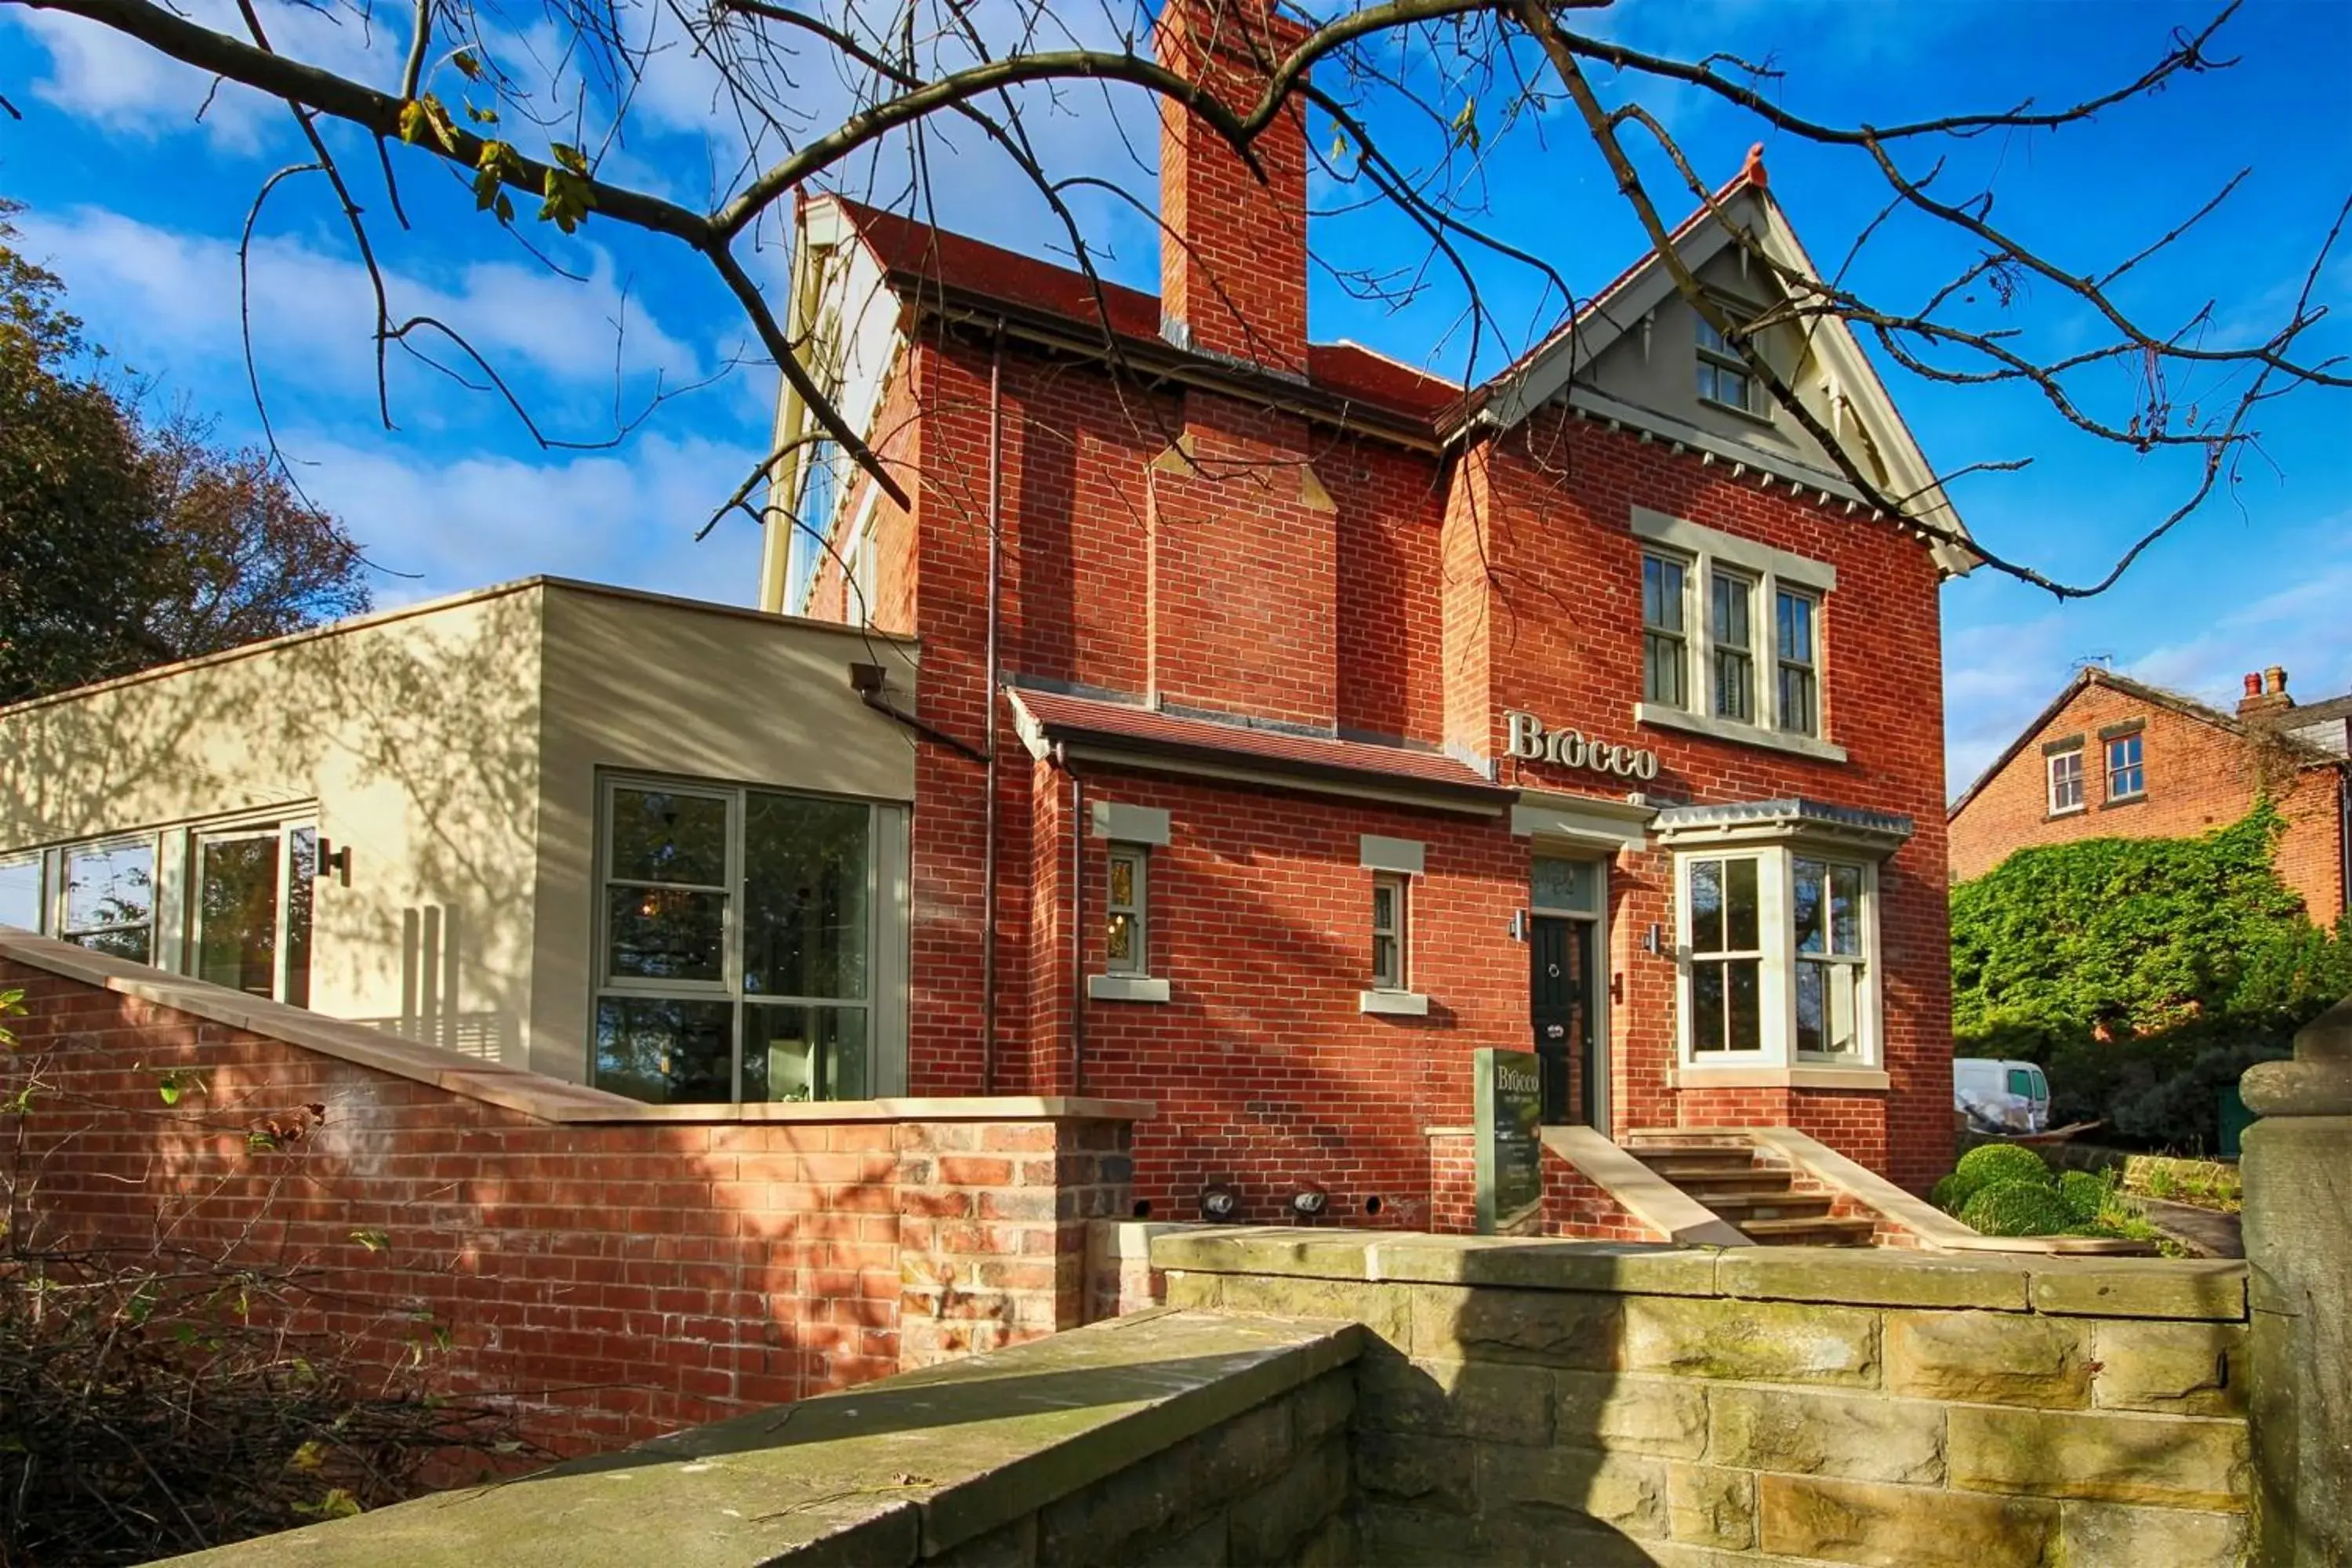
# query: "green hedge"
{"points": [[2144, 975]]}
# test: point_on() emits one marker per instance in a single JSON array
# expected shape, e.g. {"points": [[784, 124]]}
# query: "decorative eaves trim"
{"points": [[1780, 820]]}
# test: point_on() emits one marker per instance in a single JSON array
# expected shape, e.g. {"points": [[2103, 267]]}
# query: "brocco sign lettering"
{"points": [[1525, 737]]}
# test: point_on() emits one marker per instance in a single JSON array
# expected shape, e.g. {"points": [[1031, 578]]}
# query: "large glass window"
{"points": [[1832, 976], [738, 945], [20, 892], [110, 899], [1665, 642], [1726, 955], [1734, 648]]}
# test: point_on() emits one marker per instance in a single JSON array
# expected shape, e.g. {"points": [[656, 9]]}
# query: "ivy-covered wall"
{"points": [[2144, 973]]}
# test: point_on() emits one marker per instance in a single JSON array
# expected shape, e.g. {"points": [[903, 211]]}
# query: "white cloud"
{"points": [[167, 300], [626, 517], [2305, 626], [125, 86]]}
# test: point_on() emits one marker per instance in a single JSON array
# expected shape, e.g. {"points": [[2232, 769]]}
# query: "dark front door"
{"points": [[1560, 1005]]}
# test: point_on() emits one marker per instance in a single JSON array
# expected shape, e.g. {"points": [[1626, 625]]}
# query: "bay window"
{"points": [[740, 934], [1777, 938]]}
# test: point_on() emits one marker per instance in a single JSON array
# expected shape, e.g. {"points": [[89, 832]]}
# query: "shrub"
{"points": [[1952, 1193], [2017, 1208], [2086, 1196], [1981, 1167]]}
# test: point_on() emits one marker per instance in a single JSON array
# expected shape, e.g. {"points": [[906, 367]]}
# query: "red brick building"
{"points": [[2114, 758], [1293, 722]]}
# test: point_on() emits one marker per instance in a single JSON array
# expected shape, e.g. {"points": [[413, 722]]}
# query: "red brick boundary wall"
{"points": [[612, 1269]]}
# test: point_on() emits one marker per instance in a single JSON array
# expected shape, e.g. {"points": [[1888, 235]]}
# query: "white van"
{"points": [[2001, 1097]]}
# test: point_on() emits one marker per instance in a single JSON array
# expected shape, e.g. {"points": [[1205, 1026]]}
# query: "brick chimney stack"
{"points": [[1232, 248], [2265, 693]]}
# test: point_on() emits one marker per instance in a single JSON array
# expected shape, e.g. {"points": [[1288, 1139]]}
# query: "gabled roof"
{"points": [[1742, 205], [2154, 695]]}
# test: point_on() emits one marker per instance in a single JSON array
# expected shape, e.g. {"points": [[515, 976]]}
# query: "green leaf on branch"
{"points": [[469, 62], [373, 1240]]}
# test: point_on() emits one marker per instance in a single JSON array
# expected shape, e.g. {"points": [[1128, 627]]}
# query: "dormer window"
{"points": [[1724, 378]]}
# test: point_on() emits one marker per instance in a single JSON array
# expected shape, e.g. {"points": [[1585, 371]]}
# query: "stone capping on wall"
{"points": [[2185, 1289], [969, 1462], [517, 1089], [1641, 1192]]}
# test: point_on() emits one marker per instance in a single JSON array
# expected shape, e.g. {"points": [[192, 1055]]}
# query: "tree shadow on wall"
{"points": [[1495, 1424]]}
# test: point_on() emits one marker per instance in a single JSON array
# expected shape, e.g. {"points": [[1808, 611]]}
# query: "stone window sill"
{"points": [[2139, 799], [1393, 1004], [1126, 988], [1658, 717], [1811, 1075], [2065, 812]]}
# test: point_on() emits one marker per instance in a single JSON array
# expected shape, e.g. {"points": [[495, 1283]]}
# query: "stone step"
{"points": [[1675, 1165], [1815, 1232], [1756, 1179], [1741, 1208]]}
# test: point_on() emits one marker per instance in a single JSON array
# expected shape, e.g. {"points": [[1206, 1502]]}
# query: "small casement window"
{"points": [[2125, 777], [1832, 976], [1127, 932], [2065, 781], [108, 900], [1392, 931], [1730, 624], [1666, 639], [1723, 376], [1726, 955], [1798, 709]]}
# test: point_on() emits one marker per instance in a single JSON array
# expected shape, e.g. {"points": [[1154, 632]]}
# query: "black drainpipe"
{"points": [[1077, 922], [988, 849]]}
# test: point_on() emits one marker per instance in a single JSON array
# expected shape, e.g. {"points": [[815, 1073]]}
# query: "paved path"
{"points": [[2210, 1232]]}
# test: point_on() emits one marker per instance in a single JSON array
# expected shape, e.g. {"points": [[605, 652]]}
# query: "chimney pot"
{"points": [[2254, 684], [2274, 681]]}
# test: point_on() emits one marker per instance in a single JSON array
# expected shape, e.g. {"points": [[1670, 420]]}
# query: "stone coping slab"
{"points": [[882, 1474], [2203, 1289], [512, 1088]]}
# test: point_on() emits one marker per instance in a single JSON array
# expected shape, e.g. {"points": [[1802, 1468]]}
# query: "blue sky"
{"points": [[140, 205]]}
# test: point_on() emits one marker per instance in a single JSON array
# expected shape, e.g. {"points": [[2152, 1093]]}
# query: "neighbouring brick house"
{"points": [[2111, 757], [1344, 719]]}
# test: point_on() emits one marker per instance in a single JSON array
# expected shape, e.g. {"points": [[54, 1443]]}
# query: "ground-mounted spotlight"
{"points": [[1310, 1201], [1220, 1201]]}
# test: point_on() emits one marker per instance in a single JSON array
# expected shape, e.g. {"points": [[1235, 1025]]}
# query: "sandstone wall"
{"points": [[1529, 1401]]}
